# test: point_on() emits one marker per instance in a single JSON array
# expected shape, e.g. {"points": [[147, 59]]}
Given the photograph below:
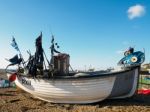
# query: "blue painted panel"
{"points": [[132, 59]]}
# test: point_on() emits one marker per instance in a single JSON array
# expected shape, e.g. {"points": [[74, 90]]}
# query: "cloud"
{"points": [[136, 11]]}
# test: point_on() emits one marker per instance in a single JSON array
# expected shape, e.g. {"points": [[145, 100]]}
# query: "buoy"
{"points": [[144, 91], [12, 77], [134, 59]]}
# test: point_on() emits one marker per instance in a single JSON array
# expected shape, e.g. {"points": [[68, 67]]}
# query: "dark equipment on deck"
{"points": [[57, 66], [35, 62], [61, 64], [60, 61]]}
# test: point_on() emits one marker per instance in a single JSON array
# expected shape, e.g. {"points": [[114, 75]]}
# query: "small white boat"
{"points": [[60, 86], [84, 88]]}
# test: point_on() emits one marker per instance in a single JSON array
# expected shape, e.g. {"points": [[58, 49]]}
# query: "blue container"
{"points": [[4, 83]]}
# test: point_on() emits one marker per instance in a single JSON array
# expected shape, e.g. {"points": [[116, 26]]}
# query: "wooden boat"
{"points": [[82, 87], [76, 87]]}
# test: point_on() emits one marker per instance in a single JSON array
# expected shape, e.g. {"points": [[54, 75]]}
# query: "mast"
{"points": [[53, 50]]}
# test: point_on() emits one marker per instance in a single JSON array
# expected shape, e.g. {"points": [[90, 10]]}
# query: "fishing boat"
{"points": [[57, 84]]}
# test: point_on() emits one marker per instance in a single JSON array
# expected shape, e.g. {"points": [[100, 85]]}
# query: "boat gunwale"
{"points": [[82, 77], [97, 75]]}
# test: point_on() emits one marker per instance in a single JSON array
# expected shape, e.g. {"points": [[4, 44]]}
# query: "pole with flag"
{"points": [[15, 45]]}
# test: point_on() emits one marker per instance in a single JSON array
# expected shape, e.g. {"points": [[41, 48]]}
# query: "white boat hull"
{"points": [[79, 90]]}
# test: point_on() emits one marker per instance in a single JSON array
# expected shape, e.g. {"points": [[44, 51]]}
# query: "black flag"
{"points": [[39, 50], [15, 60]]}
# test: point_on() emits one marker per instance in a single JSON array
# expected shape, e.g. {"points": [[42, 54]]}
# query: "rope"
{"points": [[71, 67], [46, 58]]}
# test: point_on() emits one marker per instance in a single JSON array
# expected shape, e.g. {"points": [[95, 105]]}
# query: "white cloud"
{"points": [[136, 11]]}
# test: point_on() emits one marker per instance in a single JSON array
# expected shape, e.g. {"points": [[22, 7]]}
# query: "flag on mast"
{"points": [[14, 44]]}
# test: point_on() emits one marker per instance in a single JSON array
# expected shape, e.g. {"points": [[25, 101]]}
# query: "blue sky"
{"points": [[93, 32]]}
